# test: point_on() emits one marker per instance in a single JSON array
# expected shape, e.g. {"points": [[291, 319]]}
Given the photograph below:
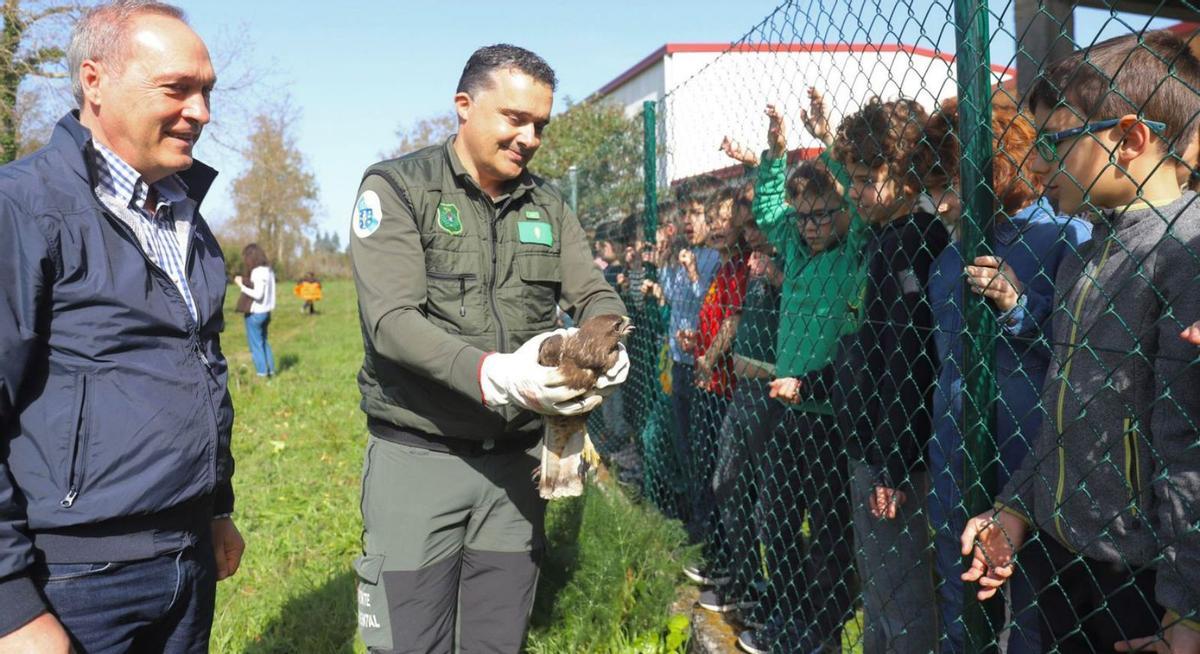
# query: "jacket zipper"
{"points": [[192, 323], [462, 287], [1132, 473], [78, 444], [1065, 376], [500, 335]]}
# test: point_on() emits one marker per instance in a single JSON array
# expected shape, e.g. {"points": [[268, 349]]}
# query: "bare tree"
{"points": [[431, 130], [276, 195], [244, 86]]}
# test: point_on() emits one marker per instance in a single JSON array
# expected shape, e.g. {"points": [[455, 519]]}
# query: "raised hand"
{"points": [[738, 152], [816, 118], [776, 132]]}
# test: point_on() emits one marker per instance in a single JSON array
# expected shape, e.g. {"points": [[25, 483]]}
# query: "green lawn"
{"points": [[298, 439]]}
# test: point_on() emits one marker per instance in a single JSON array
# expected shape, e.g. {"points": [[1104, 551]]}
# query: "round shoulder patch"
{"points": [[367, 214]]}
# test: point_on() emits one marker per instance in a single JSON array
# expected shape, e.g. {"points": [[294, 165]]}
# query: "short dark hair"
{"points": [[502, 56], [812, 178], [1154, 75], [696, 189], [882, 134], [730, 194]]}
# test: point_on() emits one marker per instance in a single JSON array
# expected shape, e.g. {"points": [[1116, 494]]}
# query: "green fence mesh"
{"points": [[914, 273]]}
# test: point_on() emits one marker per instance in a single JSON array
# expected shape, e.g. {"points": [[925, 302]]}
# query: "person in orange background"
{"points": [[308, 288]]}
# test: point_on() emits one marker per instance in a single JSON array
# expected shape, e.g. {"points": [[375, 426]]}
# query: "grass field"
{"points": [[611, 572]]}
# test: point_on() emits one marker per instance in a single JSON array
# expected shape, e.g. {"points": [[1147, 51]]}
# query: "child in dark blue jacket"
{"points": [[1029, 241]]}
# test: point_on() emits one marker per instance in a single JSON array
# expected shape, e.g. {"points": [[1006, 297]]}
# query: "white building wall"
{"points": [[716, 95], [649, 84]]}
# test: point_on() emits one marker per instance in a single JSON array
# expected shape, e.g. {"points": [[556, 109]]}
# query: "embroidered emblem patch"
{"points": [[367, 214], [449, 220]]}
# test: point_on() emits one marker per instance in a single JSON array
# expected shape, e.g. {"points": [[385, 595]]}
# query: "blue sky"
{"points": [[357, 69]]}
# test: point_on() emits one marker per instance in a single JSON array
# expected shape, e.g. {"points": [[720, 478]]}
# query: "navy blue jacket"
{"points": [[114, 406], [1033, 242], [886, 384]]}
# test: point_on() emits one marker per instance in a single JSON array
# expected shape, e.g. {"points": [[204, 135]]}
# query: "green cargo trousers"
{"points": [[451, 550]]}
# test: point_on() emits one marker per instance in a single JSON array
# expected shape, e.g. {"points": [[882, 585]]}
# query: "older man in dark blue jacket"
{"points": [[115, 416]]}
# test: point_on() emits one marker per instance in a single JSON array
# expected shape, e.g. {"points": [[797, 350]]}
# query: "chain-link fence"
{"points": [[912, 275]]}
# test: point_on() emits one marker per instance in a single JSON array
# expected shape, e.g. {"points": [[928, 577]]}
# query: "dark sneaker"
{"points": [[712, 599], [749, 641], [749, 621], [705, 577]]}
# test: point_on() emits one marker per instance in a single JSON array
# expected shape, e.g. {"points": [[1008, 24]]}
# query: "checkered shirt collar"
{"points": [[118, 179]]}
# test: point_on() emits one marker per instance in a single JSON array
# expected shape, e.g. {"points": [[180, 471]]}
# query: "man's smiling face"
{"points": [[151, 108]]}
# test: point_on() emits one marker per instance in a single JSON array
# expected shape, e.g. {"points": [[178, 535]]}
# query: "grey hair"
{"points": [[100, 35]]}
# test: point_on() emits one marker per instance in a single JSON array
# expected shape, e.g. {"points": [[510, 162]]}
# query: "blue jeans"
{"points": [[260, 349], [164, 604]]}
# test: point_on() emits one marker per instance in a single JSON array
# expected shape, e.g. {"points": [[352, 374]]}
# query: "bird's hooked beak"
{"points": [[626, 326]]}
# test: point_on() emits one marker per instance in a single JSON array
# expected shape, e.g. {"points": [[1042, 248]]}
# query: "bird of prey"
{"points": [[582, 357]]}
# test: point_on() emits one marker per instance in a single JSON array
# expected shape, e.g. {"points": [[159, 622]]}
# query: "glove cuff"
{"points": [[490, 394]]}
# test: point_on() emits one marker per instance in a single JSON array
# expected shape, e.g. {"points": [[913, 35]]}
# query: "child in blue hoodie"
{"points": [[1028, 241]]}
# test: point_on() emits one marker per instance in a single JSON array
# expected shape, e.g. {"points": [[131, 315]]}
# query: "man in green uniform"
{"points": [[460, 257]]}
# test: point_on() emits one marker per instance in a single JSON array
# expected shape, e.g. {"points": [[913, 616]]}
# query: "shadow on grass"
{"points": [[561, 558], [322, 620], [288, 361]]}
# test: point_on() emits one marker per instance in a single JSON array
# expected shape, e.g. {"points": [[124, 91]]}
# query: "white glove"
{"points": [[615, 375], [518, 379]]}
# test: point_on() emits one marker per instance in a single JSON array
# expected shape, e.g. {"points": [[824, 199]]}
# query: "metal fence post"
{"points": [[979, 340], [650, 175]]}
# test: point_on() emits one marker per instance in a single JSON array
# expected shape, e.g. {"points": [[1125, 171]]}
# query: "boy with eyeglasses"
{"points": [[808, 598], [1108, 502]]}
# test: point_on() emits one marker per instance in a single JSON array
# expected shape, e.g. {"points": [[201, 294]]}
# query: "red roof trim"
{"points": [[637, 68], [672, 48], [1184, 28]]}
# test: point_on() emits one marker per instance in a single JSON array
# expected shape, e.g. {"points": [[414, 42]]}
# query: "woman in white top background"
{"points": [[261, 292]]}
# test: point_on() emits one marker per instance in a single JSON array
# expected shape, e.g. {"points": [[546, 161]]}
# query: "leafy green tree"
{"points": [[605, 146], [31, 46]]}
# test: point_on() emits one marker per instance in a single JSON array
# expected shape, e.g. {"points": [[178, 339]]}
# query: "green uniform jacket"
{"points": [[446, 275], [821, 294]]}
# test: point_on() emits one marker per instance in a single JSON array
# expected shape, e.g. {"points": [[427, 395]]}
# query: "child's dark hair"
{"points": [[723, 195], [696, 189], [1153, 75], [811, 178], [882, 134]]}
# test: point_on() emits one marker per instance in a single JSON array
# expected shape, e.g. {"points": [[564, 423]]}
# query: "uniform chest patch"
{"points": [[449, 220], [367, 214], [531, 231]]}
